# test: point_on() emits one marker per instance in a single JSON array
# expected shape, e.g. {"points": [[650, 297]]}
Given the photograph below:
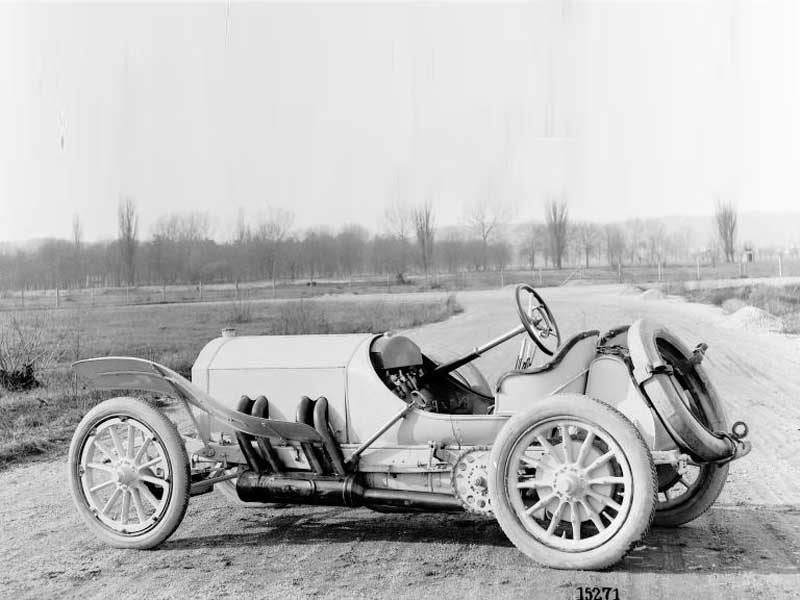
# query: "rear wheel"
{"points": [[572, 483], [684, 496], [129, 473]]}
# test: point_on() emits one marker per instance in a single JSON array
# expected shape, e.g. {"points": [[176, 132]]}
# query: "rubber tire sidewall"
{"points": [[713, 476], [175, 451], [643, 474]]}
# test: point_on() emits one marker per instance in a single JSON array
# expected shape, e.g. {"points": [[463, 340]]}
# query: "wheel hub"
{"points": [[569, 483], [125, 474]]}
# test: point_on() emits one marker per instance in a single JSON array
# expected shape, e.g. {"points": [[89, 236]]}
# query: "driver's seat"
{"points": [[566, 371]]}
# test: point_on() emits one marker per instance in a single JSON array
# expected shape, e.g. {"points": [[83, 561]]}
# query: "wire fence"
{"points": [[772, 271]]}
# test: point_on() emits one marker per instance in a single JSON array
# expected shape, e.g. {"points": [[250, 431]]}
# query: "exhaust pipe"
{"points": [[332, 491]]}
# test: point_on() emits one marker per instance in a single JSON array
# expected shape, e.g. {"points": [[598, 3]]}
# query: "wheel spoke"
{"points": [[148, 495], [548, 447], [576, 522], [103, 449], [605, 500], [532, 484], [142, 450], [529, 461], [126, 506], [541, 503], [567, 443], [593, 515], [111, 501], [150, 463], [154, 480], [585, 447], [606, 481], [684, 483], [131, 440], [137, 504], [100, 486], [117, 443], [556, 518], [100, 467], [600, 461]]}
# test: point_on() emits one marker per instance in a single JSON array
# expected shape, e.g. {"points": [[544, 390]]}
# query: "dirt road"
{"points": [[746, 546]]}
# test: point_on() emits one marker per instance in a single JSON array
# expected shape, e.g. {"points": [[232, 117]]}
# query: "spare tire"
{"points": [[655, 354]]}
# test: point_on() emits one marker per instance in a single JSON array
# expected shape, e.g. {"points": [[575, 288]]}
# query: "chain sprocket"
{"points": [[470, 481]]}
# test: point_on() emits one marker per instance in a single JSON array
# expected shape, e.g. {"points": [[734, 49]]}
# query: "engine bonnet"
{"points": [[279, 352]]}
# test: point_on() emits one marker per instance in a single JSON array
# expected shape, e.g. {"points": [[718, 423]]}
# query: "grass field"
{"points": [[40, 420]]}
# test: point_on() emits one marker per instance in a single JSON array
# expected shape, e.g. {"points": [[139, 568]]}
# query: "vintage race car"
{"points": [[574, 457]]}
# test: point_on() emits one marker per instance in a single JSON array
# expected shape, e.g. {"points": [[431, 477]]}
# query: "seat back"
{"points": [[566, 372]]}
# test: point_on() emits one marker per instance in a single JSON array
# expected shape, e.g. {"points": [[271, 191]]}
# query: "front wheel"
{"points": [[129, 473], [572, 483]]}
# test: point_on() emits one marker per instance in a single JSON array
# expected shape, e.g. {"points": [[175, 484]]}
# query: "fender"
{"points": [[126, 373]]}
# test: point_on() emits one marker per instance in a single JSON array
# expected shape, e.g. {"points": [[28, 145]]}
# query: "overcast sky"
{"points": [[626, 109]]}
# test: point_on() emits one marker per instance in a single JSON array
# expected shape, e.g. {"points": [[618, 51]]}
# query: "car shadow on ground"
{"points": [[760, 539]]}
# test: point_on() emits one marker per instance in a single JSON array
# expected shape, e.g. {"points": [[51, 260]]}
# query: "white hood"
{"points": [[279, 352]]}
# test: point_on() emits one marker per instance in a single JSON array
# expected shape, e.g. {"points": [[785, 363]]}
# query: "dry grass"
{"points": [[781, 301], [41, 421]]}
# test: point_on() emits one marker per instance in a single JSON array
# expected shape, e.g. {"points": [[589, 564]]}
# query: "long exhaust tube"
{"points": [[266, 487]]}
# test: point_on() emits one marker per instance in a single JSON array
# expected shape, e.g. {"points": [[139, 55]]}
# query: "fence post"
{"points": [[697, 260], [540, 275], [22, 295], [619, 270], [659, 271], [780, 265], [201, 291], [502, 279], [58, 298], [127, 295], [164, 292], [237, 289]]}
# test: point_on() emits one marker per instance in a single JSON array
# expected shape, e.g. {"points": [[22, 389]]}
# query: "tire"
{"points": [[131, 495], [547, 503], [703, 492], [709, 479]]}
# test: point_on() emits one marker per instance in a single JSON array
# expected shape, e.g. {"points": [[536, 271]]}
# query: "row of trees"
{"points": [[180, 248]]}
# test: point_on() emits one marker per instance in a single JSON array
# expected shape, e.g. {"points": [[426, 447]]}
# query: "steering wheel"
{"points": [[538, 320]]}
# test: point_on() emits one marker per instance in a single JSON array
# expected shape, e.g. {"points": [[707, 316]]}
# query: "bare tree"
{"points": [[533, 243], [351, 246], [425, 231], [587, 238], [726, 218], [556, 220], [77, 233], [77, 245], [128, 222], [271, 231], [399, 222], [656, 242], [484, 217], [241, 231], [615, 245]]}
